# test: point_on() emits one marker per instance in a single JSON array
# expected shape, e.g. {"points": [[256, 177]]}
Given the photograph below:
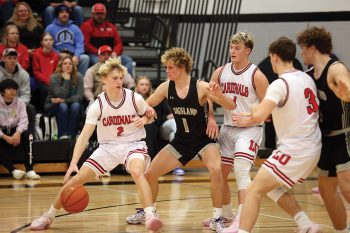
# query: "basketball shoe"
{"points": [[18, 174], [153, 223], [226, 220], [217, 224], [41, 223], [312, 228], [138, 218], [233, 228]]}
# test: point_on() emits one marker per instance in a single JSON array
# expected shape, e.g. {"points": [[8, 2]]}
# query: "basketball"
{"points": [[74, 199]]}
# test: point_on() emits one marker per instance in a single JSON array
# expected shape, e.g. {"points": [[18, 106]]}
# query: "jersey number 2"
{"points": [[120, 130], [313, 105]]}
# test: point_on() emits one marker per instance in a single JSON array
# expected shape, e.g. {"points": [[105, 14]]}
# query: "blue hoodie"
{"points": [[66, 37]]}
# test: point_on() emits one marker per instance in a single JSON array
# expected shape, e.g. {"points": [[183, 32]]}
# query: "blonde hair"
{"points": [[243, 37], [31, 23], [112, 64], [180, 57], [6, 33], [150, 91], [74, 75]]}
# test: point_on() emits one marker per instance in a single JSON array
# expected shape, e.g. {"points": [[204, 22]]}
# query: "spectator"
{"points": [[98, 31], [92, 79], [266, 67], [14, 136], [10, 39], [9, 69], [77, 11], [29, 28], [44, 64], [68, 38], [6, 9], [65, 97]]}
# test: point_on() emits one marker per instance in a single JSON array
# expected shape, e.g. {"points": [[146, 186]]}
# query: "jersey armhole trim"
{"points": [[253, 81], [287, 96], [221, 71], [134, 102], [101, 106]]}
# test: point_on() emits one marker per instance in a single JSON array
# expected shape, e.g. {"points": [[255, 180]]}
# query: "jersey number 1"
{"points": [[184, 121]]}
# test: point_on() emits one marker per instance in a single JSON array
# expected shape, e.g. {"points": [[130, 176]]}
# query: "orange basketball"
{"points": [[74, 198]]}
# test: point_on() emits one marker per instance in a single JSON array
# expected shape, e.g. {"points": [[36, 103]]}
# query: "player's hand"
{"points": [[214, 87], [341, 90], [151, 113], [72, 168], [241, 119], [16, 138], [139, 121], [212, 128]]}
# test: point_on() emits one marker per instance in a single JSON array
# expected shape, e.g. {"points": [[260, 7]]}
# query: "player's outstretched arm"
{"points": [[159, 94], [339, 81], [79, 148], [259, 112], [213, 92]]}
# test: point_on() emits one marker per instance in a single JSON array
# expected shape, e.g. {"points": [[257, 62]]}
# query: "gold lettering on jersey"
{"points": [[235, 88], [117, 120], [185, 111]]}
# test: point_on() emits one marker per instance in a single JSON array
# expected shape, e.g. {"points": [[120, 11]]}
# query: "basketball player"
{"points": [[116, 112], [239, 139], [187, 98], [333, 84], [299, 137]]}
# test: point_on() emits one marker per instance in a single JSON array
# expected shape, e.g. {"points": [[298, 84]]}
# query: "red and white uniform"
{"points": [[296, 122], [236, 142], [120, 140]]}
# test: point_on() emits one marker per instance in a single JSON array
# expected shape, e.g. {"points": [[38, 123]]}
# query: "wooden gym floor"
{"points": [[183, 202]]}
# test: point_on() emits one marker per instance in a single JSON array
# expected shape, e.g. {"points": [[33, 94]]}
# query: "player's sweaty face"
{"points": [[115, 79]]}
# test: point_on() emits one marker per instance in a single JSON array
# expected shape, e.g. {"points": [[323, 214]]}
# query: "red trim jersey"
{"points": [[114, 120], [296, 116], [239, 86]]}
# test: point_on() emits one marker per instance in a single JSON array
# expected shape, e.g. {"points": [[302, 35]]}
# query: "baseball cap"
{"points": [[99, 8], [10, 51], [104, 49]]}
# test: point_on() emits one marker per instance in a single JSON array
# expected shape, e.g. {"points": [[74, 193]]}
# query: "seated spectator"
{"points": [[14, 136], [44, 63], [65, 97], [29, 28], [9, 69], [68, 38], [92, 79], [77, 11], [6, 9], [98, 31], [10, 39], [164, 124]]}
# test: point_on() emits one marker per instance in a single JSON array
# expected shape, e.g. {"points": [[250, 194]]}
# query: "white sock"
{"points": [[227, 210], [150, 211], [342, 231], [239, 211], [52, 211], [242, 231], [217, 212], [302, 219]]}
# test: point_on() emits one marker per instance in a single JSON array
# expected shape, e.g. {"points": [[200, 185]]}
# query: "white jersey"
{"points": [[114, 119], [239, 86], [296, 116]]}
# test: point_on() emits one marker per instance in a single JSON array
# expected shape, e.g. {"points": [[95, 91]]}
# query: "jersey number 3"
{"points": [[313, 105]]}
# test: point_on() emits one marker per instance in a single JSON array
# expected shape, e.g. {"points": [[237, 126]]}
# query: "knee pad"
{"points": [[242, 173], [276, 193]]}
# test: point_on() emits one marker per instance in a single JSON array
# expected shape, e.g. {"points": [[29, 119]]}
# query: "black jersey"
{"points": [[190, 116], [334, 113]]}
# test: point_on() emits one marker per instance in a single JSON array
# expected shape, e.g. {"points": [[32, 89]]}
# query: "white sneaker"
{"points": [[217, 224], [32, 175], [18, 174], [138, 218], [226, 220], [312, 228], [41, 223]]}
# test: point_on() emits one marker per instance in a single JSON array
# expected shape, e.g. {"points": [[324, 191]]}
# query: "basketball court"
{"points": [[183, 202]]}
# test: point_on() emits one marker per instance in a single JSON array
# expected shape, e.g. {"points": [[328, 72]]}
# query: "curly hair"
{"points": [[318, 37], [180, 57], [243, 37], [112, 64]]}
